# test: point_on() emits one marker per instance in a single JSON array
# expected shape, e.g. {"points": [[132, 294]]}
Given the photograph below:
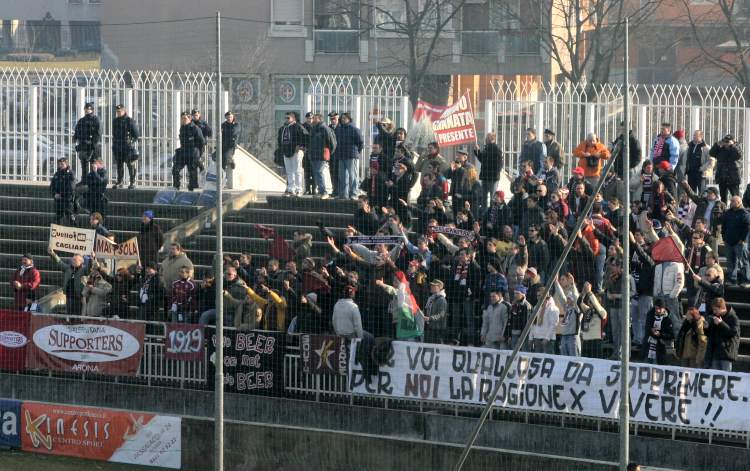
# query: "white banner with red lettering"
{"points": [[452, 125]]}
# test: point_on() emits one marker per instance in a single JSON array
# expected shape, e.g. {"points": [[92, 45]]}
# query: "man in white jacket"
{"points": [[347, 321], [669, 280], [495, 321], [543, 331]]}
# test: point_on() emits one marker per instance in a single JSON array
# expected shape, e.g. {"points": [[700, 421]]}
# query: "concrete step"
{"points": [[134, 209], [112, 222], [33, 190], [309, 203], [257, 215], [240, 244], [244, 229]]}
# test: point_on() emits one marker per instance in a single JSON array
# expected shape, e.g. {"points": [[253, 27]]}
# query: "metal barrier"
{"points": [[572, 110], [156, 370], [39, 110]]}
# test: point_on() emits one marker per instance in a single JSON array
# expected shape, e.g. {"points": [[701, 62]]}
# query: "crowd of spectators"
{"points": [[465, 264]]}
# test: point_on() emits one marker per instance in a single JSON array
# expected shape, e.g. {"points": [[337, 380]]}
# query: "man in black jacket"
{"points": [[491, 159], [723, 336], [728, 161], [553, 148], [63, 192], [230, 134], [96, 185], [634, 159], [735, 226], [124, 136], [532, 151], [206, 131], [191, 139], [87, 137], [291, 143]]}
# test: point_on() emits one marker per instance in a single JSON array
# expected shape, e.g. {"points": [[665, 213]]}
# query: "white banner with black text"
{"points": [[551, 383]]}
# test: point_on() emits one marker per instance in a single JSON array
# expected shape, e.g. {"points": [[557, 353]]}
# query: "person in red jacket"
{"points": [[26, 279]]}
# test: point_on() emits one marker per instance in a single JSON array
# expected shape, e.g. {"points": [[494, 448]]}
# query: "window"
{"points": [[287, 16], [336, 14], [476, 17], [75, 2], [437, 9], [85, 36], [389, 13]]}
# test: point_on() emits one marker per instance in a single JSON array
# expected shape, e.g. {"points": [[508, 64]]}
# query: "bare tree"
{"points": [[423, 29], [582, 37], [719, 33]]}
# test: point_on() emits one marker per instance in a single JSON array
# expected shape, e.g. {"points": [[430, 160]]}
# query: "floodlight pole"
{"points": [[218, 274], [625, 335]]}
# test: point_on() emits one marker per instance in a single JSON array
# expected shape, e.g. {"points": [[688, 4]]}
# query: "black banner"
{"points": [[253, 361], [324, 354]]}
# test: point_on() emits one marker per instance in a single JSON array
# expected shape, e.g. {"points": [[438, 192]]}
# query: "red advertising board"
{"points": [[14, 339], [452, 125], [94, 346], [101, 434], [184, 342]]}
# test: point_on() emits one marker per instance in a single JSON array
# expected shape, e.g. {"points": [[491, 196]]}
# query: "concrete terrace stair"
{"points": [[26, 212]]}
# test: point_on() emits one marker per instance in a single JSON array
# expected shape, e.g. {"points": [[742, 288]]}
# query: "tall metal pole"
{"points": [[532, 318], [219, 275], [625, 336]]}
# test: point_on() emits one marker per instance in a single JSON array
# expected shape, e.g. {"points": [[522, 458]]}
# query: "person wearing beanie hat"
{"points": [[497, 215], [554, 151], [520, 311], [532, 151], [728, 164], [26, 279], [374, 183], [230, 135], [87, 138], [150, 238]]}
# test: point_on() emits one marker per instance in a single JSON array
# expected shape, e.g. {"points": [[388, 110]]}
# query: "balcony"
{"points": [[479, 42], [521, 44], [337, 41]]}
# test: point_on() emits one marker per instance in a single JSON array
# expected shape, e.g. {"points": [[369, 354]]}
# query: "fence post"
{"points": [[695, 120], [489, 116], [33, 132], [357, 112], [746, 147], [591, 119], [539, 115], [224, 104], [176, 105], [128, 101], [308, 103], [643, 130], [405, 112], [81, 101]]}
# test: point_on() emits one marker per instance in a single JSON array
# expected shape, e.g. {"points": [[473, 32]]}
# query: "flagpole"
{"points": [[625, 334]]}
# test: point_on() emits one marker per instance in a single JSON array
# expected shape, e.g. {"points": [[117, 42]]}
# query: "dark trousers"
{"points": [[63, 210], [725, 189], [122, 159], [187, 159], [695, 181], [85, 157], [309, 179], [333, 169], [95, 202], [73, 305], [227, 158]]}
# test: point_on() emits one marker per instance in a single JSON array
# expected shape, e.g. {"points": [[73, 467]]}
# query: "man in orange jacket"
{"points": [[590, 155]]}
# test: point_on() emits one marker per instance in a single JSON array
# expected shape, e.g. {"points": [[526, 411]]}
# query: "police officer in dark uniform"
{"points": [[230, 134], [88, 137], [205, 130], [61, 187], [124, 137], [191, 139]]}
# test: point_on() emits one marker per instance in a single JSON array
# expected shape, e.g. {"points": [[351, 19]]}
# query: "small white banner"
{"points": [[71, 239]]}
